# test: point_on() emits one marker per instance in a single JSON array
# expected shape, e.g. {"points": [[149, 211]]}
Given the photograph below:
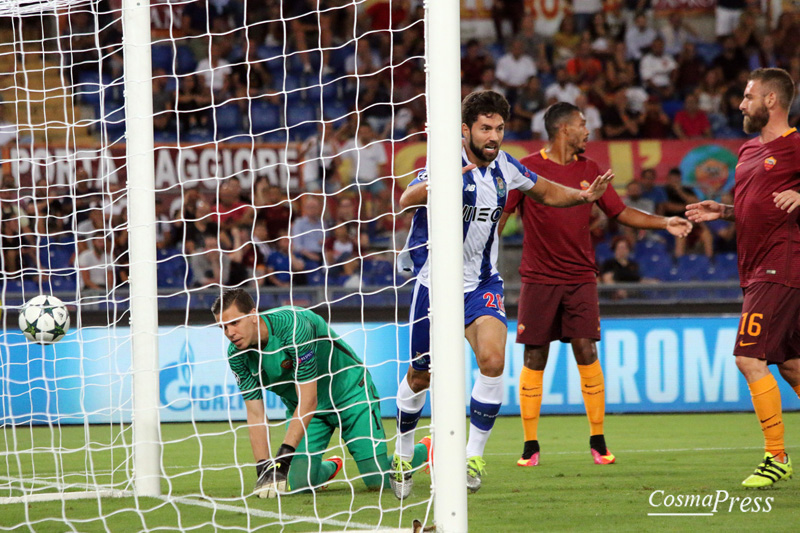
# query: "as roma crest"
{"points": [[585, 184], [500, 185], [286, 364], [769, 163]]}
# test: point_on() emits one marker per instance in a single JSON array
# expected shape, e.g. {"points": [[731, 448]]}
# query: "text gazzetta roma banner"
{"points": [[707, 165]]}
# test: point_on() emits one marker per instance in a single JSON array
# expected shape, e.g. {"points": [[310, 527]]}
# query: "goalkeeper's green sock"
{"points": [[420, 455]]}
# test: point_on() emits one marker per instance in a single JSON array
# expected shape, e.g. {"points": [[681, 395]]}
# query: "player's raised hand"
{"points": [[598, 187], [787, 200], [680, 227], [704, 211]]}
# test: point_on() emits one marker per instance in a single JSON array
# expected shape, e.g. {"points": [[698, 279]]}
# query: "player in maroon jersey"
{"points": [[558, 300], [768, 242]]}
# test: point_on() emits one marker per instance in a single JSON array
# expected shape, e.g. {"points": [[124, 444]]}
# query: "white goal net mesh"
{"points": [[284, 133]]}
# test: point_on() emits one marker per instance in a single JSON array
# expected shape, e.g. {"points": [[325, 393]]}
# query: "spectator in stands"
{"points": [[272, 207], [538, 130], [764, 55], [163, 103], [654, 122], [691, 122], [530, 100], [727, 15], [96, 266], [347, 216], [163, 225], [511, 11], [676, 33], [308, 231], [690, 70], [734, 120], [231, 210], [638, 37], [368, 160], [584, 12], [250, 78], [256, 252], [594, 122], [584, 68], [731, 60], [320, 155], [8, 130], [341, 255], [565, 41], [215, 69], [678, 196], [13, 226], [600, 35], [535, 44], [209, 265], [711, 92], [658, 70], [364, 60], [563, 89], [281, 263], [621, 268], [514, 68], [475, 59], [375, 101], [78, 45], [651, 191], [194, 101], [95, 223], [618, 121], [489, 82], [785, 34]]}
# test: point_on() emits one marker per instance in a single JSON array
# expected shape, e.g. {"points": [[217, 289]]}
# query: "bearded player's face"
{"points": [[756, 114], [240, 328], [485, 136]]}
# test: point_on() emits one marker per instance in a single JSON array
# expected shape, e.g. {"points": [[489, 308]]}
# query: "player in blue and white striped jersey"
{"points": [[488, 173]]}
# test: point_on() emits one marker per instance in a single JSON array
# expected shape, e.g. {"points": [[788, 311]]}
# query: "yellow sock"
{"points": [[530, 400], [593, 387], [767, 403], [797, 390]]}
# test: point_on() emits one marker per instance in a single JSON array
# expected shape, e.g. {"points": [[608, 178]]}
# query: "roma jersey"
{"points": [[485, 190], [767, 238], [557, 246]]}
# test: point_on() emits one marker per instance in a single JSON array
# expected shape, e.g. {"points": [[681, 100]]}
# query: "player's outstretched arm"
{"points": [[553, 194], [307, 405], [257, 429], [635, 218], [709, 210]]}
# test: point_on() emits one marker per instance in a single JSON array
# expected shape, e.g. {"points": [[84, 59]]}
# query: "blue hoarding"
{"points": [[650, 365]]}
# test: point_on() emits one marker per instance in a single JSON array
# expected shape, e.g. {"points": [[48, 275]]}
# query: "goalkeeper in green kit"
{"points": [[293, 352]]}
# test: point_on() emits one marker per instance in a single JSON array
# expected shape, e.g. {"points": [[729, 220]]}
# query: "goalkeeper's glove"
{"points": [[274, 473]]}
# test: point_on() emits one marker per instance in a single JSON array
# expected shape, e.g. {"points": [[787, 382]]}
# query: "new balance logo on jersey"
{"points": [[481, 214], [470, 188]]}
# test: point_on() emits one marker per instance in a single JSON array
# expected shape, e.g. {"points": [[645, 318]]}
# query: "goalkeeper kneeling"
{"points": [[324, 385]]}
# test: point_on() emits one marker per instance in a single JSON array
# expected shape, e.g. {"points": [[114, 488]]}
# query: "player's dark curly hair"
{"points": [[779, 81], [555, 115], [235, 296], [484, 103]]}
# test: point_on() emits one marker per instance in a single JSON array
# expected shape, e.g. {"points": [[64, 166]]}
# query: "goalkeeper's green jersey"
{"points": [[301, 348]]}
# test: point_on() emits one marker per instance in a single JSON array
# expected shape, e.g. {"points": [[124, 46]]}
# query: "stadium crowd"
{"points": [[269, 73]]}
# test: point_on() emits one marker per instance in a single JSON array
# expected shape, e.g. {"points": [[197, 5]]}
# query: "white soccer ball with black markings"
{"points": [[44, 319]]}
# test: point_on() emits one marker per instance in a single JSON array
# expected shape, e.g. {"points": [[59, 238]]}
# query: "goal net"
{"points": [[284, 133]]}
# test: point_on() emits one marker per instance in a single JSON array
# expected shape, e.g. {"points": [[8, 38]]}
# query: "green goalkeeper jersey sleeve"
{"points": [[301, 347]]}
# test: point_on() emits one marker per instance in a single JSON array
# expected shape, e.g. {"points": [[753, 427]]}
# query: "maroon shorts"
{"points": [[557, 312], [770, 324]]}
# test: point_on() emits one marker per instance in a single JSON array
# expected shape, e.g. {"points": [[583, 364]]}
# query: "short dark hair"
{"points": [[556, 115], [483, 103], [779, 81], [234, 296]]}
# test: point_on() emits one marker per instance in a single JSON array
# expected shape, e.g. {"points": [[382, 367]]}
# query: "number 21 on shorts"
{"points": [[494, 301]]}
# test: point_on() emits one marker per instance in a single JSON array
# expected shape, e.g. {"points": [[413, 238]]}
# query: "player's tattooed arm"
{"points": [[787, 200], [709, 210]]}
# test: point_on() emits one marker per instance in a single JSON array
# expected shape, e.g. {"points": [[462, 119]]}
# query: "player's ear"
{"points": [[254, 314], [464, 130]]}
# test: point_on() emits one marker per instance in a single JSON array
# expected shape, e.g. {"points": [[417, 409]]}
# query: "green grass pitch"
{"points": [[681, 455]]}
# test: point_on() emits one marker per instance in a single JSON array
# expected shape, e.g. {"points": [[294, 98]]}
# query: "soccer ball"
{"points": [[44, 319]]}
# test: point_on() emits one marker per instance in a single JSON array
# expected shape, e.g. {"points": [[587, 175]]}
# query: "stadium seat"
{"points": [[302, 121], [161, 55], [655, 265], [90, 87], [228, 118], [602, 252], [693, 266], [728, 263], [648, 246], [335, 110], [708, 51], [264, 117], [186, 60], [671, 107]]}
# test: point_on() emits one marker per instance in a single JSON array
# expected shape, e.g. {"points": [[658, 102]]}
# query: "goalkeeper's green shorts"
{"points": [[361, 428]]}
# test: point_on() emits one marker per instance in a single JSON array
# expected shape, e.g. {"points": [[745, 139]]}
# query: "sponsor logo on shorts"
{"points": [[769, 163], [745, 344]]}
